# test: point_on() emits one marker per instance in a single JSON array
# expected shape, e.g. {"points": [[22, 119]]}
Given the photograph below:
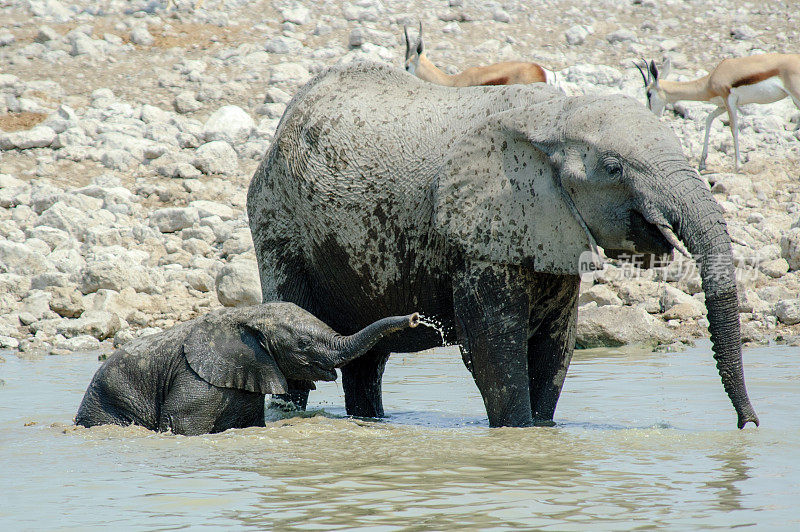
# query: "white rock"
{"points": [[600, 294], [151, 114], [212, 208], [186, 102], [362, 10], [73, 136], [14, 284], [743, 33], [275, 95], [118, 159], [83, 344], [6, 38], [282, 45], [8, 342], [9, 181], [67, 260], [200, 281], [788, 311], [614, 326], [671, 296], [591, 75], [216, 157], [140, 35], [297, 15], [87, 46], [501, 15], [117, 274], [293, 73], [171, 219], [621, 35], [37, 137], [126, 335], [21, 259], [790, 248], [230, 123], [357, 37], [774, 268], [577, 34], [240, 241], [50, 10], [238, 284], [96, 323]]}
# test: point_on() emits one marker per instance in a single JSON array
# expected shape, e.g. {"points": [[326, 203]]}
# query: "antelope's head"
{"points": [[413, 53], [656, 98]]}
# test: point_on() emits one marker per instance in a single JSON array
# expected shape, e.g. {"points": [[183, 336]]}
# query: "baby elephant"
{"points": [[211, 374]]}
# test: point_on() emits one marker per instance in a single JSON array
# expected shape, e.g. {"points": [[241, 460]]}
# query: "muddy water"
{"points": [[642, 440]]}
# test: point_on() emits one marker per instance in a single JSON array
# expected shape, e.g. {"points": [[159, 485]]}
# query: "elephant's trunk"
{"points": [[347, 348], [698, 221]]}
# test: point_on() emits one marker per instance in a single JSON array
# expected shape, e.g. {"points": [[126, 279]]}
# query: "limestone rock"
{"points": [[141, 36], [212, 208], [171, 219], [37, 137], [577, 34], [229, 123], [297, 15], [216, 157], [790, 248], [600, 294], [788, 311], [96, 323], [293, 73], [612, 326], [238, 284]]}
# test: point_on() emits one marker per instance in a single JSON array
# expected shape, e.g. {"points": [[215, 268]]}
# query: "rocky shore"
{"points": [[129, 131]]}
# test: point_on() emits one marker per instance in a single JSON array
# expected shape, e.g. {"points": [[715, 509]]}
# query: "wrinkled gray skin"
{"points": [[382, 193], [211, 374]]}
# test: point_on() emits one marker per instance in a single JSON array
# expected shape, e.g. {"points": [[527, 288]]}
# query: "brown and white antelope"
{"points": [[764, 78], [506, 73]]}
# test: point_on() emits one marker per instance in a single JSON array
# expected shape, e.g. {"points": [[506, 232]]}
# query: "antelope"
{"points": [[764, 78], [506, 73]]}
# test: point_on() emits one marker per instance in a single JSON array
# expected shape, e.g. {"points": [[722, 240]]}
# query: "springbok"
{"points": [[506, 73], [764, 78]]}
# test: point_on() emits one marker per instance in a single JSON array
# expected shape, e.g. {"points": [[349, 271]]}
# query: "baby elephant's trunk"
{"points": [[350, 347]]}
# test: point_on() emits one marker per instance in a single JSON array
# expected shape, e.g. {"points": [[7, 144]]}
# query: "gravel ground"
{"points": [[129, 131]]}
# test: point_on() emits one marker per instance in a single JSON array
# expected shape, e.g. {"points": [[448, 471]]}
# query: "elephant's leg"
{"points": [[362, 380], [288, 283], [554, 318], [491, 309]]}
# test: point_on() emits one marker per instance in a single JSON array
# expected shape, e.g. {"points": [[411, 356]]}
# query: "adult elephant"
{"points": [[383, 193]]}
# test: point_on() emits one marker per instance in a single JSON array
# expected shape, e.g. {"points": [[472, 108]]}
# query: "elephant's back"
{"points": [[358, 137], [127, 386]]}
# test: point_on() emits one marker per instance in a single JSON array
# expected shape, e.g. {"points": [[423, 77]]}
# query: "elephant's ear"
{"points": [[498, 196], [231, 356]]}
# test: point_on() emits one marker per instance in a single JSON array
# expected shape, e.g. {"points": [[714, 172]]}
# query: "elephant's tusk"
{"points": [[672, 239]]}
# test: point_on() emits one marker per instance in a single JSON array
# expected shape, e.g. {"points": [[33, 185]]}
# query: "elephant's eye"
{"points": [[303, 342], [612, 166]]}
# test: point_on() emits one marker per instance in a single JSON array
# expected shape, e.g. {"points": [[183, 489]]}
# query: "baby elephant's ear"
{"points": [[231, 356]]}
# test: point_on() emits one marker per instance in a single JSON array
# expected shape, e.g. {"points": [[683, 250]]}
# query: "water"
{"points": [[642, 440]]}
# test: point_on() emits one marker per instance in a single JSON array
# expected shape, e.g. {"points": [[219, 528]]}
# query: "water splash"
{"points": [[434, 324]]}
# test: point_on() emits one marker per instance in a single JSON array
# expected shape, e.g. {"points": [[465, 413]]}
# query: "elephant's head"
{"points": [[258, 348], [542, 184]]}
